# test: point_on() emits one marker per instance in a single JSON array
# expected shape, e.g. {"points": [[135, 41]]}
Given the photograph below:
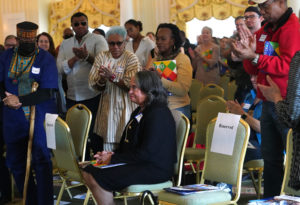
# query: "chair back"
{"points": [[225, 168], [194, 91], [64, 153], [182, 132], [79, 119], [224, 80], [285, 189], [207, 109], [231, 90], [211, 89]]}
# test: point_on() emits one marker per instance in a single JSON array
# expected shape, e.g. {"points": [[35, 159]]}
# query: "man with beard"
{"points": [[19, 68]]}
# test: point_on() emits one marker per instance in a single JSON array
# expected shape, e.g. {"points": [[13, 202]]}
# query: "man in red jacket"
{"points": [[269, 52]]}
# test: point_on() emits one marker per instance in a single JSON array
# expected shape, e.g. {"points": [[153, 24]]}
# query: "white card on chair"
{"points": [[50, 130], [224, 133]]}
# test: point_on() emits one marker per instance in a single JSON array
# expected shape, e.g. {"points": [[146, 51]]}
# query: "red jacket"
{"points": [[277, 67]]}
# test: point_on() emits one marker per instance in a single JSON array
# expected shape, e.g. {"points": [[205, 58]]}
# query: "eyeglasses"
{"points": [[250, 17], [265, 4], [83, 23], [118, 43]]}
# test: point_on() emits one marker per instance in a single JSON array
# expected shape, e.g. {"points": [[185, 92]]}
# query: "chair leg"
{"points": [[254, 183], [198, 172], [260, 172], [87, 197], [61, 191], [125, 200], [12, 187]]}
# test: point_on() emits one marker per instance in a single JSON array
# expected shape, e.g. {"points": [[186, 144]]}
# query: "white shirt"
{"points": [[143, 51], [78, 76]]}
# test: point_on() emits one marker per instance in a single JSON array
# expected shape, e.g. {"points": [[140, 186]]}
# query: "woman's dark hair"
{"points": [[135, 23], [99, 31], [151, 85], [175, 34], [51, 43]]}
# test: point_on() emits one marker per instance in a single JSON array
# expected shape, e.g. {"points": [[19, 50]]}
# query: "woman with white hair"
{"points": [[206, 64], [111, 73]]}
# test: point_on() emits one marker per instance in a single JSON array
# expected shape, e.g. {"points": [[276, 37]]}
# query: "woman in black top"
{"points": [[148, 144]]}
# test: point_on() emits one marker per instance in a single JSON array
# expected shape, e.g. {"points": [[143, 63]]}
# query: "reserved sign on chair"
{"points": [[225, 133]]}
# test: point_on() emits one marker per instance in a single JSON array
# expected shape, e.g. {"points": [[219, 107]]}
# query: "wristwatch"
{"points": [[244, 116], [255, 60]]}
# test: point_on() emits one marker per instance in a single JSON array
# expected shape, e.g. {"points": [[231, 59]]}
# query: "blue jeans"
{"points": [[186, 110], [273, 143]]}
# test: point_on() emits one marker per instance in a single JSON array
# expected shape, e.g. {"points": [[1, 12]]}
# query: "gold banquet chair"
{"points": [[218, 168], [256, 166], [285, 189], [66, 159], [182, 131], [207, 90], [79, 119], [224, 80], [231, 90], [207, 109], [194, 92]]}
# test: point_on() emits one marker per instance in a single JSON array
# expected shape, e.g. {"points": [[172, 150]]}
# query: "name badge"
{"points": [[139, 117], [246, 106], [262, 38], [119, 69], [35, 70]]}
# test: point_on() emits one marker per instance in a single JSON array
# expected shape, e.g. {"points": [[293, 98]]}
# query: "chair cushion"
{"points": [[152, 187], [194, 154], [259, 163], [201, 198]]}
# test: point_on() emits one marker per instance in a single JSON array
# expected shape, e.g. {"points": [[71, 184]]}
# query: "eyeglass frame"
{"points": [[82, 23], [265, 5], [113, 43], [251, 17]]}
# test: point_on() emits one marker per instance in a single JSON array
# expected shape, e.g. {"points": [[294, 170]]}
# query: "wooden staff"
{"points": [[30, 140]]}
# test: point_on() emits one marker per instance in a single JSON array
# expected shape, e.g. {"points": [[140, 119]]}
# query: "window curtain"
{"points": [[183, 11], [106, 12]]}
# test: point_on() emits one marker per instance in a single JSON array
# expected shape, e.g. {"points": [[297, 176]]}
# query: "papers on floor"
{"points": [[50, 130], [62, 202], [80, 196], [191, 189], [277, 200], [224, 133]]}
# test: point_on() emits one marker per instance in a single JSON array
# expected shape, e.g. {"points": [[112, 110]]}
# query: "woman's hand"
{"points": [[272, 92], [103, 157], [106, 72], [234, 107], [12, 101]]}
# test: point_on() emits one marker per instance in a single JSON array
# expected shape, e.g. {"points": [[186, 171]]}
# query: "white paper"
{"points": [[111, 165], [80, 196], [50, 130], [62, 202], [224, 133]]}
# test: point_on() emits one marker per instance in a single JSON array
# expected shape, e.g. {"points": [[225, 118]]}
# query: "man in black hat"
{"points": [[19, 68]]}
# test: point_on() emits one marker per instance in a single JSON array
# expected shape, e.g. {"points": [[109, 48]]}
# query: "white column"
{"points": [[126, 11], [295, 4]]}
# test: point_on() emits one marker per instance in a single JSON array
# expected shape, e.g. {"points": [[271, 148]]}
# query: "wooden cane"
{"points": [[30, 140]]}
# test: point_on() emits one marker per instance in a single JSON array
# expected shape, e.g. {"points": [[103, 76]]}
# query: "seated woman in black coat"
{"points": [[148, 144]]}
